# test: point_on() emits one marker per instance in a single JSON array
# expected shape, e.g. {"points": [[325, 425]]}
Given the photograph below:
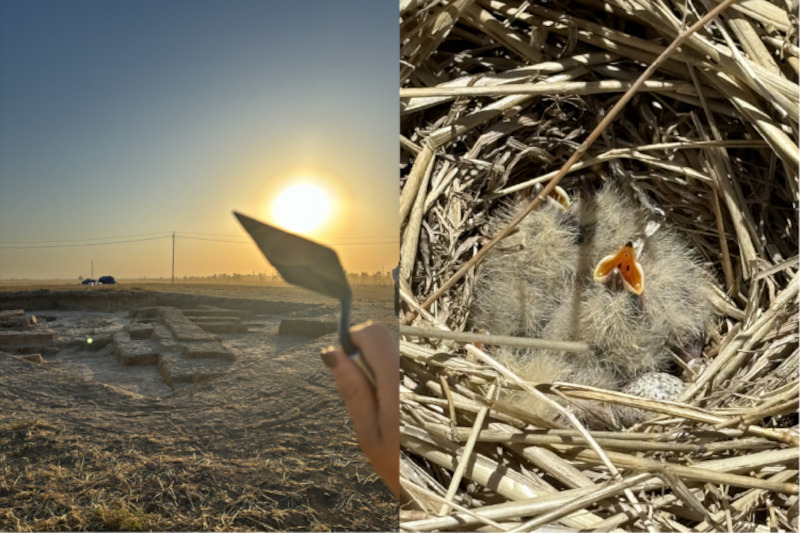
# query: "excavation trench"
{"points": [[263, 418], [153, 344]]}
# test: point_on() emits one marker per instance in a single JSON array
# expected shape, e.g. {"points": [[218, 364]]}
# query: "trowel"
{"points": [[312, 266]]}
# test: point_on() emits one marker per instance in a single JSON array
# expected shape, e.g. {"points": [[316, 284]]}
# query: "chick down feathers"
{"points": [[538, 283]]}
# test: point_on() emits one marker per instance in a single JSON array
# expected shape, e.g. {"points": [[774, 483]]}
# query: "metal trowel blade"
{"points": [[299, 261], [312, 266]]}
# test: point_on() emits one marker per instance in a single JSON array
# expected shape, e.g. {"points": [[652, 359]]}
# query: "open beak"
{"points": [[624, 264]]}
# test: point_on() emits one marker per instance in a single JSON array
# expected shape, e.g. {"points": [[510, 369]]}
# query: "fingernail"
{"points": [[361, 326], [329, 358]]}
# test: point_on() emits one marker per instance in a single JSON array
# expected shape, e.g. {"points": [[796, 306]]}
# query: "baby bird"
{"points": [[593, 272]]}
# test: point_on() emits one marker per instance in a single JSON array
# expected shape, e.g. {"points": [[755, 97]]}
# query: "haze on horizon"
{"points": [[121, 122]]}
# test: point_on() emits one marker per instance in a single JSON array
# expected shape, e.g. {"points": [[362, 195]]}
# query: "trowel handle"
{"points": [[349, 346], [355, 356], [358, 359]]}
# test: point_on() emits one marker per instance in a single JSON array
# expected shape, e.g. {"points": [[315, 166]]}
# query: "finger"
{"points": [[379, 345], [379, 348], [357, 395]]}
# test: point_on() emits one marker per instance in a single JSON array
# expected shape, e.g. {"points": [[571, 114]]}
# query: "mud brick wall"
{"points": [[183, 351]]}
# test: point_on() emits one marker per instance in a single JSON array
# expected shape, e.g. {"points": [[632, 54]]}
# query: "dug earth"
{"points": [[129, 395]]}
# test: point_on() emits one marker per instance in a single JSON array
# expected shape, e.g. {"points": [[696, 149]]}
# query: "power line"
{"points": [[213, 240], [187, 233], [394, 241], [85, 244], [359, 243], [208, 234], [74, 243], [87, 239]]}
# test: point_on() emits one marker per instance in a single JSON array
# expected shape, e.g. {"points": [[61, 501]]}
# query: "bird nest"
{"points": [[692, 115]]}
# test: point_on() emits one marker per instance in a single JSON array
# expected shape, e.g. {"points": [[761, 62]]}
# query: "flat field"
{"points": [[267, 446]]}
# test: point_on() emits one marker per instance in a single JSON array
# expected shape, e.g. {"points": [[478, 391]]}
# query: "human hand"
{"points": [[375, 412]]}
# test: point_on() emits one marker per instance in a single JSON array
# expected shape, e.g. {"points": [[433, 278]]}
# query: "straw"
{"points": [[518, 97]]}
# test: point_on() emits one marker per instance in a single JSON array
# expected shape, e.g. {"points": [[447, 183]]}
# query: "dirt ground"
{"points": [[267, 446]]}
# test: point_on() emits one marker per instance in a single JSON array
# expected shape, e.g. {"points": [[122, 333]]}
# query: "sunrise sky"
{"points": [[126, 121]]}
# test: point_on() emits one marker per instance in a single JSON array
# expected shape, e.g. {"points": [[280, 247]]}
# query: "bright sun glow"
{"points": [[301, 207]]}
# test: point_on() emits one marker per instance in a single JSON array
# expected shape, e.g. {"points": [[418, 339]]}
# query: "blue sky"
{"points": [[141, 118]]}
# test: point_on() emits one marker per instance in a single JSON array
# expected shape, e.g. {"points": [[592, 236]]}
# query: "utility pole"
{"points": [[92, 274], [173, 258]]}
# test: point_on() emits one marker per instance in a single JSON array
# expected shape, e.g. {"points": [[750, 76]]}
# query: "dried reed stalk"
{"points": [[500, 98]]}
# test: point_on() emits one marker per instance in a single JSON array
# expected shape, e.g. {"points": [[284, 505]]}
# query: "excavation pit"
{"points": [[151, 344], [272, 425]]}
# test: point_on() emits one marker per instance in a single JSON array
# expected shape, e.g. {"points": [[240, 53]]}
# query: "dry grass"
{"points": [[54, 479], [501, 98], [266, 447]]}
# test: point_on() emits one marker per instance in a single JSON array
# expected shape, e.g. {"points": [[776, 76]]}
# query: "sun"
{"points": [[301, 207]]}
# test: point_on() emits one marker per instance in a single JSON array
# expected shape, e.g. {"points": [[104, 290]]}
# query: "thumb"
{"points": [[357, 394]]}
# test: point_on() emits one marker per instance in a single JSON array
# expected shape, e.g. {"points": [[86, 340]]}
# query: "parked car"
{"points": [[107, 280], [89, 281]]}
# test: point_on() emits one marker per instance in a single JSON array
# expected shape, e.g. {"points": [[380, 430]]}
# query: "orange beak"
{"points": [[624, 262]]}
